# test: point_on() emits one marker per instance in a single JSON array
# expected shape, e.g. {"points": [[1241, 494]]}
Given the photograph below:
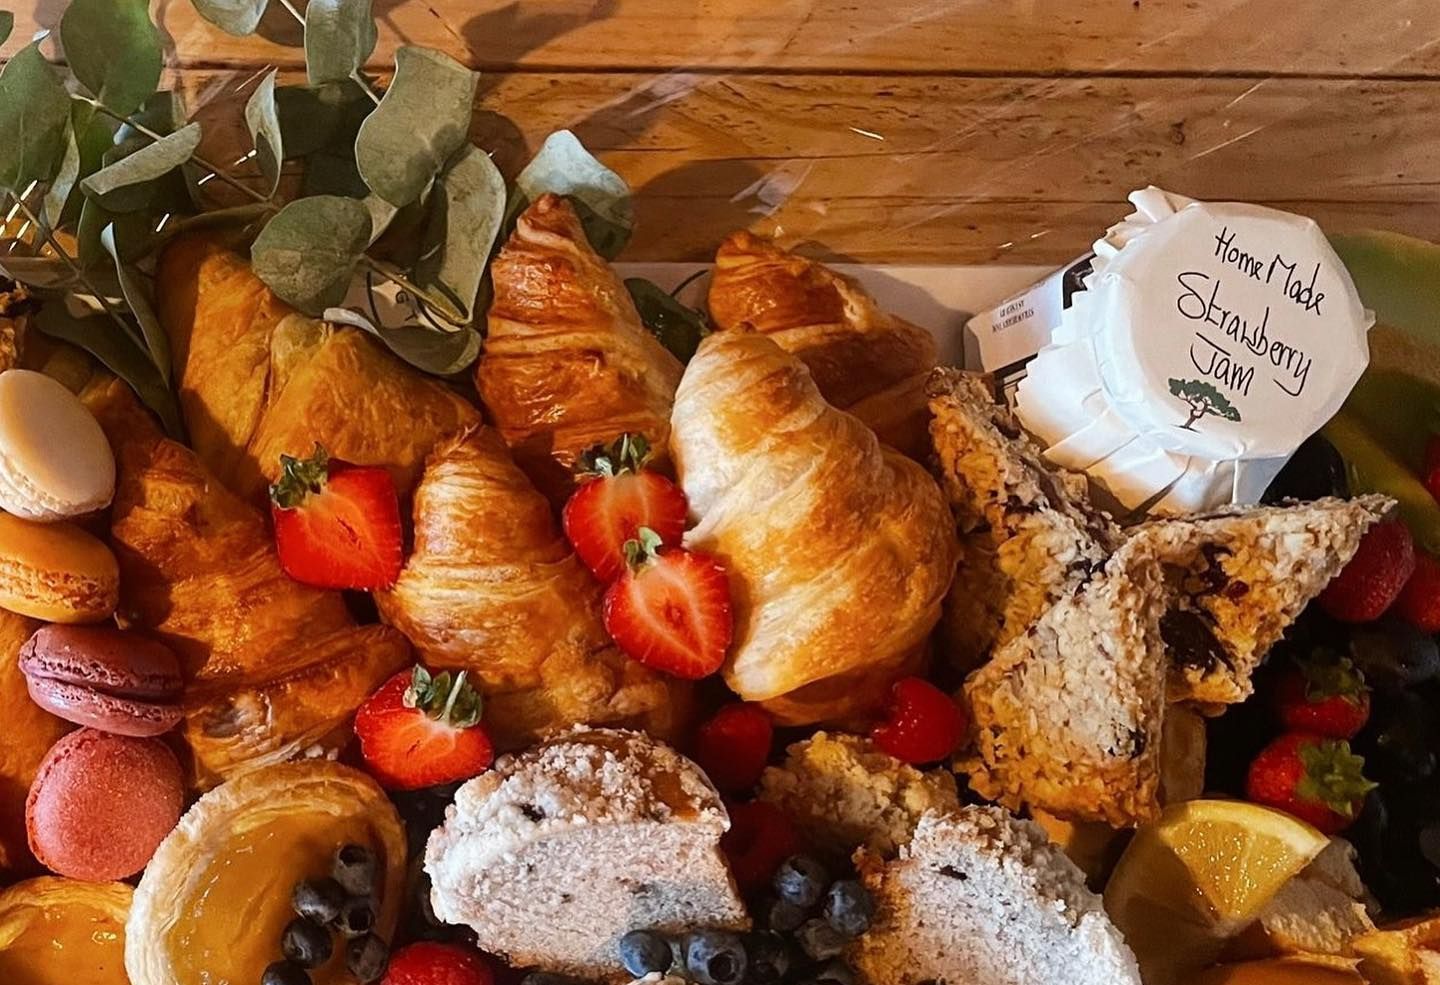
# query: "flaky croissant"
{"points": [[29, 732], [492, 587], [257, 379], [567, 363], [839, 549], [864, 360], [272, 667]]}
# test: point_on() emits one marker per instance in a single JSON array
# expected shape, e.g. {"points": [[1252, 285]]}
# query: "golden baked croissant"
{"points": [[864, 361], [839, 548], [29, 732], [258, 379], [567, 363], [492, 587], [272, 667]]}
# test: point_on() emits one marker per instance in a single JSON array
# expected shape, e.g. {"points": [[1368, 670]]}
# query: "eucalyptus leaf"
{"points": [[146, 164], [34, 111], [114, 50], [420, 123], [137, 298], [263, 119], [315, 118], [438, 353], [333, 173], [53, 208], [466, 212], [239, 17], [50, 273], [120, 353], [563, 166], [339, 36], [382, 213], [236, 215], [7, 24], [678, 327], [307, 253]]}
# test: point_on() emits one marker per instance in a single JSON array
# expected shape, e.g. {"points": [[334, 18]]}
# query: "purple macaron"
{"points": [[104, 678]]}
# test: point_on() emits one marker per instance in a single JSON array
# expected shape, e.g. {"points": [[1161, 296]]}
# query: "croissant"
{"points": [[567, 363], [864, 361], [839, 549], [29, 733], [492, 587], [273, 668], [258, 379]]}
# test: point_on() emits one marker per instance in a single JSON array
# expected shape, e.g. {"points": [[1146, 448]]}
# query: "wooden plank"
{"points": [[1330, 37], [943, 169]]}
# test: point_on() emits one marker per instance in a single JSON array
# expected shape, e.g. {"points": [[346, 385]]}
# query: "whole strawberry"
{"points": [[761, 836], [1326, 695], [433, 963], [1315, 778], [1372, 581], [1419, 602], [923, 724], [733, 746], [617, 496], [421, 730]]}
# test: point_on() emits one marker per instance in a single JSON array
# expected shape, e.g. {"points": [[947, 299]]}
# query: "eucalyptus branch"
{"points": [[355, 75]]}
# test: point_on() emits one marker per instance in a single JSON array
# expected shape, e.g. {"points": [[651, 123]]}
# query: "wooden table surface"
{"points": [[953, 131]]}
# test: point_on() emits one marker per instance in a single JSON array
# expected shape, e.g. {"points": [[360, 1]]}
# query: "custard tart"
{"points": [[214, 901], [63, 932]]}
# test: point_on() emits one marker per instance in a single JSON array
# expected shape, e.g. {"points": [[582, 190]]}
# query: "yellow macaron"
{"points": [[56, 572]]}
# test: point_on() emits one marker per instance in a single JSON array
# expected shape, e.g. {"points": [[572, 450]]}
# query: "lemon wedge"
{"points": [[1193, 879]]}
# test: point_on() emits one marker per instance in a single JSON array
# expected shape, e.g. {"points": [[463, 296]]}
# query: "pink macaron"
{"points": [[101, 804], [104, 678]]}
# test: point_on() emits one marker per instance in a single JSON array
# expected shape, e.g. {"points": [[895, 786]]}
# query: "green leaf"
{"points": [[34, 110], [63, 183], [263, 119], [678, 327], [7, 24], [307, 253], [339, 36], [466, 213], [50, 273], [114, 50], [138, 299], [419, 125], [239, 17], [565, 167], [324, 117], [120, 353], [428, 350], [148, 163], [382, 213]]}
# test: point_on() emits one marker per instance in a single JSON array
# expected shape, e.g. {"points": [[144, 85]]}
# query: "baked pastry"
{"points": [[864, 360], [63, 932], [1403, 953], [1320, 911], [29, 733], [257, 380], [981, 896], [16, 306], [105, 678], [213, 902], [558, 852], [839, 549], [273, 668], [567, 363], [493, 588]]}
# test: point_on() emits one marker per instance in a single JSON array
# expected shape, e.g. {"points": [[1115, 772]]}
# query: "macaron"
{"points": [[104, 678], [56, 572], [101, 804], [54, 459]]}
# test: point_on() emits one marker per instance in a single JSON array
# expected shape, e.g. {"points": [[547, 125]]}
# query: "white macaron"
{"points": [[54, 459]]}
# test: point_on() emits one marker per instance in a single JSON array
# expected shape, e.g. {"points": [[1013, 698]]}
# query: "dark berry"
{"points": [[354, 870], [1394, 655], [800, 880], [715, 957], [366, 958], [306, 943], [1430, 844], [285, 973], [784, 916], [848, 908], [836, 971], [644, 951], [319, 900], [1315, 471], [357, 917], [819, 940], [768, 958], [1401, 744]]}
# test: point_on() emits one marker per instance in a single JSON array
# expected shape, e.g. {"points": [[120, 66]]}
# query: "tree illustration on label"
{"points": [[1204, 401]]}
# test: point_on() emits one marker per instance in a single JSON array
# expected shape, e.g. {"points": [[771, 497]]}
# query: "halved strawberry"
{"points": [[670, 609], [337, 525], [617, 497], [421, 730]]}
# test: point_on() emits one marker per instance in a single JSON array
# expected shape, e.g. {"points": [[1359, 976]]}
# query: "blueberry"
{"points": [[366, 958], [306, 943], [784, 916], [1394, 655], [644, 951], [836, 971], [800, 880], [819, 940], [848, 908], [357, 917], [1400, 746], [1315, 471], [285, 973], [768, 957], [715, 957], [319, 900], [354, 869]]}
